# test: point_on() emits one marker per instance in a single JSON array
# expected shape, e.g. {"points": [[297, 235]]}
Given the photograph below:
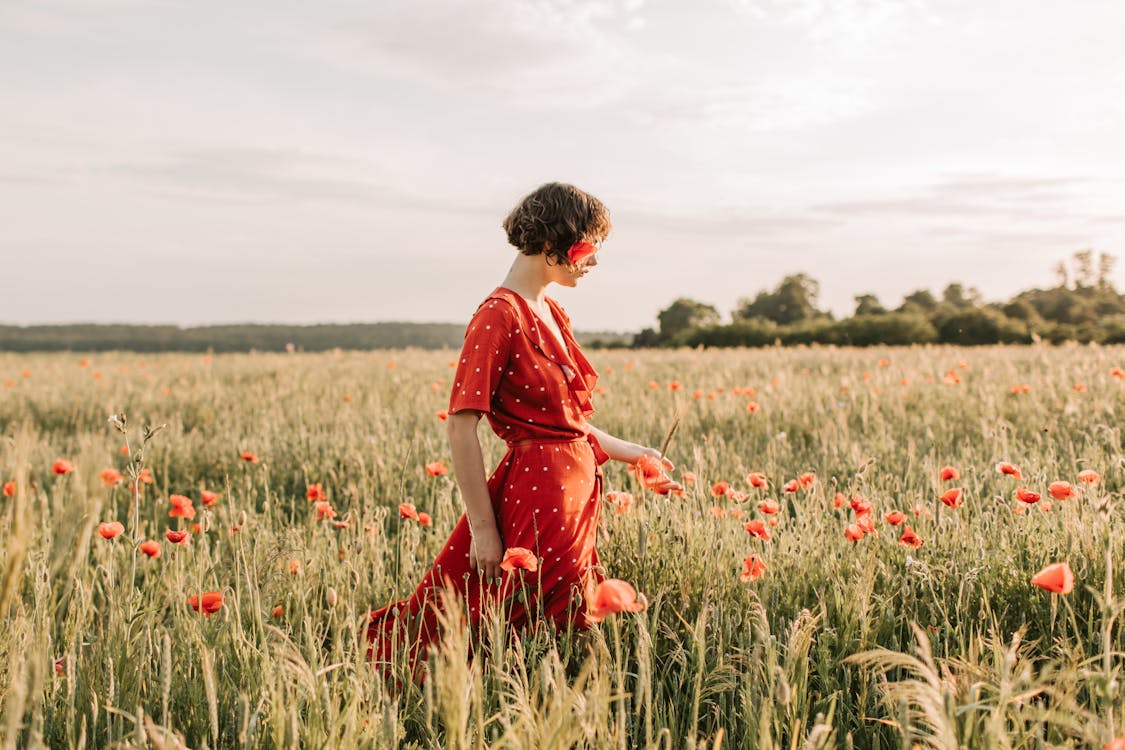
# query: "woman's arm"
{"points": [[468, 469], [622, 450]]}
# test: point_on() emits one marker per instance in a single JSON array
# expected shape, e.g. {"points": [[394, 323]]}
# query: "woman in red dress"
{"points": [[521, 366]]}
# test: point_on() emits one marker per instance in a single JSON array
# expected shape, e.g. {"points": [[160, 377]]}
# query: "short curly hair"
{"points": [[555, 216]]}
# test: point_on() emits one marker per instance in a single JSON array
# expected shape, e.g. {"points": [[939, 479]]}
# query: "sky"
{"points": [[195, 162]]}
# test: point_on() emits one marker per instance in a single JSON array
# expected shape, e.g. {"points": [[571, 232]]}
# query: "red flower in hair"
{"points": [[579, 252]]}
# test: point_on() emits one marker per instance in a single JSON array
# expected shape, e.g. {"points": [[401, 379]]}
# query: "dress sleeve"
{"points": [[484, 355]]}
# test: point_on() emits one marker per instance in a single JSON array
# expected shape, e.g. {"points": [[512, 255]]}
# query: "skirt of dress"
{"points": [[546, 495]]}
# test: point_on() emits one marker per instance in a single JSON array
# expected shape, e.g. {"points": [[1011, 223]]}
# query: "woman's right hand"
{"points": [[485, 553]]}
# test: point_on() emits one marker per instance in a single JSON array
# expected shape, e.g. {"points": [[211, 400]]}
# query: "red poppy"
{"points": [[675, 385], [650, 471], [519, 557], [866, 522], [62, 466], [1025, 495], [9, 489], [208, 498], [910, 538], [950, 473], [295, 567], [208, 604], [110, 477], [1089, 476], [839, 500], [407, 510], [753, 568], [861, 506], [1010, 469], [757, 479], [1080, 388], [752, 407], [806, 480], [757, 528], [443, 415], [111, 529], [769, 507], [437, 469], [177, 537], [424, 519], [853, 532], [791, 486], [1057, 578], [1061, 490], [1021, 388], [150, 548], [250, 458], [1118, 373], [720, 488], [278, 611], [315, 492], [736, 496], [196, 528], [953, 497], [895, 517], [324, 510], [181, 507], [579, 252], [614, 595]]}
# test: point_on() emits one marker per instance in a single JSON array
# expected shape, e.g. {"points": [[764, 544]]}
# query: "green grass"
{"points": [[869, 645]]}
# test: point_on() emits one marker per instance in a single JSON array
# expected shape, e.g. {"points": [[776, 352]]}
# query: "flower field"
{"points": [[877, 548]]}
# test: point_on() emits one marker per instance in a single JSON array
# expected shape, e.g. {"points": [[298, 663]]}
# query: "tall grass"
{"points": [[869, 644]]}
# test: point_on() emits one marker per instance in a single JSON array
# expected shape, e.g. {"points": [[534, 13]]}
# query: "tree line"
{"points": [[1082, 306]]}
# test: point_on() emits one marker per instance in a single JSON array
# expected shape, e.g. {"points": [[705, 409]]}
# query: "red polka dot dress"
{"points": [[545, 491]]}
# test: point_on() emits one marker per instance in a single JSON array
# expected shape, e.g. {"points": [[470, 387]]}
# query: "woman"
{"points": [[521, 366]]}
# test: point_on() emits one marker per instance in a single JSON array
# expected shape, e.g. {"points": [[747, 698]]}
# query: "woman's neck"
{"points": [[528, 278]]}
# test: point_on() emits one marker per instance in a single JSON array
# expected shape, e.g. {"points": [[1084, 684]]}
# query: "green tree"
{"points": [[793, 300], [868, 304], [683, 315]]}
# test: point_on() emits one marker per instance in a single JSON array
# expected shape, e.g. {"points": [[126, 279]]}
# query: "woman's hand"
{"points": [[485, 553], [651, 469]]}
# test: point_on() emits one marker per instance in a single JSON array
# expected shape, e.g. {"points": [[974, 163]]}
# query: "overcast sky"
{"points": [[195, 162]]}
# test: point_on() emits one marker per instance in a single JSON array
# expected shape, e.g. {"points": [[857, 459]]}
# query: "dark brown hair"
{"points": [[558, 214]]}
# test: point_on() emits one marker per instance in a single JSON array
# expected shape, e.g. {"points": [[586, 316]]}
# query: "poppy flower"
{"points": [[150, 548], [1118, 373], [1089, 476], [278, 611], [110, 477], [145, 477], [407, 510], [315, 492], [207, 604], [650, 470], [953, 497], [9, 489], [324, 510], [697, 393], [736, 496], [716, 511], [752, 568], [757, 479], [1021, 388], [614, 595], [1061, 490], [111, 529], [861, 506], [177, 537], [1080, 388], [250, 458], [443, 415], [675, 385], [208, 498], [1025, 495], [791, 486], [806, 480], [950, 473], [866, 523], [769, 507], [853, 532], [196, 528], [1057, 578], [181, 507], [720, 488], [60, 666], [895, 517], [653, 385], [437, 469], [910, 538], [424, 519], [688, 477], [519, 557], [1010, 469], [736, 513], [839, 500], [62, 466], [757, 528], [752, 407], [579, 252], [295, 567]]}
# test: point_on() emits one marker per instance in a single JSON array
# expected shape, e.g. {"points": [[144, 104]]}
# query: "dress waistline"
{"points": [[599, 453]]}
